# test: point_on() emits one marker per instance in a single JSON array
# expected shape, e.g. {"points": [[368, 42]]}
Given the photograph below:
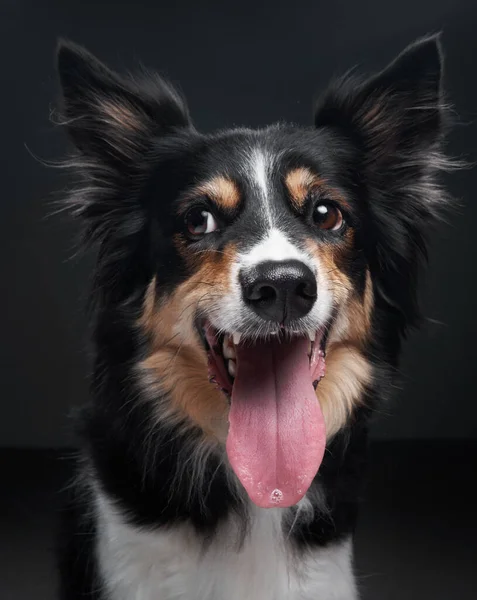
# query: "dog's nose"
{"points": [[279, 291]]}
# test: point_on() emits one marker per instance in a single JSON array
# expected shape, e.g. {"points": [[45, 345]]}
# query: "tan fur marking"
{"points": [[122, 115], [146, 320], [177, 363], [301, 182], [327, 255], [353, 323], [347, 374], [359, 311], [347, 370], [183, 376], [220, 190], [373, 114], [368, 298]]}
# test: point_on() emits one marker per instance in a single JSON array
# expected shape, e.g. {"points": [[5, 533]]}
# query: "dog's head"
{"points": [[247, 274]]}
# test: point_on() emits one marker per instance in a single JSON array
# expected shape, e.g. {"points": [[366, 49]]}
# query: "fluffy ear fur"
{"points": [[396, 119], [111, 117], [113, 122], [395, 112]]}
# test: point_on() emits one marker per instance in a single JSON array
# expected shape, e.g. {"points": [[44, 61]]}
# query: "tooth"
{"points": [[236, 338], [309, 347], [228, 348], [232, 367], [312, 335]]}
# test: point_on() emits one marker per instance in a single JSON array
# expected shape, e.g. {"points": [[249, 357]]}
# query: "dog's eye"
{"points": [[200, 222], [328, 216]]}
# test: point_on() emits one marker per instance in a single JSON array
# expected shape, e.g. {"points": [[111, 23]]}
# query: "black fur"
{"points": [[76, 547], [377, 140]]}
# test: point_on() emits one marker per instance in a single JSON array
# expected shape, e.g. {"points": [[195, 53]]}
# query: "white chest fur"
{"points": [[172, 564]]}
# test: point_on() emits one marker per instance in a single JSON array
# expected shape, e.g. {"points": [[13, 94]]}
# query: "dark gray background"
{"points": [[247, 63]]}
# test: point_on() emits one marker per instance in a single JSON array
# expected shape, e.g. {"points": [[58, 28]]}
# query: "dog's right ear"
{"points": [[113, 118]]}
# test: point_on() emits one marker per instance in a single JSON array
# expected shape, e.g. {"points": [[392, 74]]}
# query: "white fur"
{"points": [[173, 565], [275, 246], [258, 168]]}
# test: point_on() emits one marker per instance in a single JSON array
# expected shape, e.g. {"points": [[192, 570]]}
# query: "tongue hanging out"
{"points": [[276, 437]]}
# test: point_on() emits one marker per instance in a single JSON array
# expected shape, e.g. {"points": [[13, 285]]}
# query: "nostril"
{"points": [[266, 292], [260, 292], [306, 289]]}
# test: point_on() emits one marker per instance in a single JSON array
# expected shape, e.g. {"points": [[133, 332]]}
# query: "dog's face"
{"points": [[259, 262], [266, 272]]}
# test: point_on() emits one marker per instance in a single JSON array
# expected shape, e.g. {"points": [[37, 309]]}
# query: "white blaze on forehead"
{"points": [[277, 247], [260, 164]]}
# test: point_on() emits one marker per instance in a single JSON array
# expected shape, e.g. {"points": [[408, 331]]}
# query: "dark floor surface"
{"points": [[417, 534]]}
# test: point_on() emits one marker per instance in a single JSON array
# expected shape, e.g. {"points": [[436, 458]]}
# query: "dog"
{"points": [[250, 295]]}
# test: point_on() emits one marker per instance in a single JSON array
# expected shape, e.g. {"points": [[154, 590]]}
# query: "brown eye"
{"points": [[327, 216], [200, 222]]}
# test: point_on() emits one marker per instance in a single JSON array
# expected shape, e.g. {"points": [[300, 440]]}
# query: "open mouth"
{"points": [[276, 437], [222, 350]]}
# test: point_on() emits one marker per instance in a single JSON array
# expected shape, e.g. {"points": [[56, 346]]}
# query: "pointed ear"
{"points": [[395, 113], [395, 121], [113, 118]]}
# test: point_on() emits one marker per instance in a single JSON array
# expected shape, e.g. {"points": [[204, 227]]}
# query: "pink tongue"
{"points": [[276, 437]]}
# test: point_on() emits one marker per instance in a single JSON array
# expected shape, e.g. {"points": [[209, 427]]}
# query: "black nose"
{"points": [[279, 291]]}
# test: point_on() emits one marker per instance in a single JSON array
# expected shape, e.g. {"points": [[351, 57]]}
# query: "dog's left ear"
{"points": [[395, 114], [395, 122]]}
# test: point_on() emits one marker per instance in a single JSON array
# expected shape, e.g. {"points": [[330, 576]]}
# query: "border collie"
{"points": [[251, 292]]}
